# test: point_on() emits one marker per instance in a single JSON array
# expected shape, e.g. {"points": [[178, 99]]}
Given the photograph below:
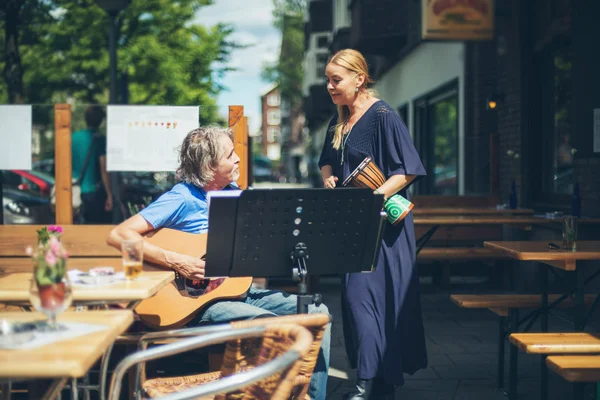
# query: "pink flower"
{"points": [[55, 229], [29, 251], [50, 258], [54, 245]]}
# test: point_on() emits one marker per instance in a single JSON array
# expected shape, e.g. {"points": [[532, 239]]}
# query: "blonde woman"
{"points": [[383, 328]]}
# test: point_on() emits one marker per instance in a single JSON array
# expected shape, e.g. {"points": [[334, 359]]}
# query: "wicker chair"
{"points": [[315, 323], [268, 374]]}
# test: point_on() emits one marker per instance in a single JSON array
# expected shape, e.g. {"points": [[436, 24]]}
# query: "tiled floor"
{"points": [[462, 352]]}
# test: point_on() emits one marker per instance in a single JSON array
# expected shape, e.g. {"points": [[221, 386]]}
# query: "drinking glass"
{"points": [[132, 252], [51, 299], [569, 233]]}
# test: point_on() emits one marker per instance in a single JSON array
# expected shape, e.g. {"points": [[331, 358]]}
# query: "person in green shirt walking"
{"points": [[88, 144]]}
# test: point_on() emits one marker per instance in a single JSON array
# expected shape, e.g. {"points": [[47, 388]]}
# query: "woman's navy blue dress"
{"points": [[383, 327]]}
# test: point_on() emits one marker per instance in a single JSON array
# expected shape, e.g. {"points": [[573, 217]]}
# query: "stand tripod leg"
{"points": [[304, 300]]}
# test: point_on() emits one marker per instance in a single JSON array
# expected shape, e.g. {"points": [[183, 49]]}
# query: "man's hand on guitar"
{"points": [[190, 267]]}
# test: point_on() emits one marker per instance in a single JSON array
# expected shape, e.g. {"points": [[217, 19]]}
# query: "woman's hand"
{"points": [[190, 267], [330, 182]]}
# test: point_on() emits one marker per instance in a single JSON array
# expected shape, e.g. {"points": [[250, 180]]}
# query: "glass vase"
{"points": [[50, 296]]}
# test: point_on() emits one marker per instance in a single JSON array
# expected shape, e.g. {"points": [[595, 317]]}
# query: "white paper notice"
{"points": [[15, 136], [146, 138], [596, 130]]}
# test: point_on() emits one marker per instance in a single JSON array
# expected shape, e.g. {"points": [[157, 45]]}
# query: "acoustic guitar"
{"points": [[173, 307]]}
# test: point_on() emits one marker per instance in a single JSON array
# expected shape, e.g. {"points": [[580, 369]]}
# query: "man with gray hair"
{"points": [[208, 162]]}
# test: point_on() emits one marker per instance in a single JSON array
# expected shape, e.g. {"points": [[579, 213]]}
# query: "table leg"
{"points": [[544, 323], [578, 390], [501, 339], [6, 388], [514, 354], [54, 390], [580, 313]]}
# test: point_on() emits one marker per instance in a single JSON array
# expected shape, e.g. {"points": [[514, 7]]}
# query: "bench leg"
{"points": [[578, 390], [6, 389], [501, 338], [514, 354], [544, 325]]}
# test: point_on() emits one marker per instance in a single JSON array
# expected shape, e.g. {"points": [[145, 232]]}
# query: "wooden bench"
{"points": [[450, 245], [502, 304], [448, 256], [438, 201], [86, 245], [571, 364], [508, 305], [557, 343], [458, 253], [578, 370]]}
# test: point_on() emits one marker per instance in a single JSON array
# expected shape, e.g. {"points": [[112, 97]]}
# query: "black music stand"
{"points": [[271, 232]]}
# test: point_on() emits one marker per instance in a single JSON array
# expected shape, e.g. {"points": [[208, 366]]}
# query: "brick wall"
{"points": [[509, 111]]}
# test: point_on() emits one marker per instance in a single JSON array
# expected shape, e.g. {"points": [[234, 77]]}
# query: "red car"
{"points": [[32, 181]]}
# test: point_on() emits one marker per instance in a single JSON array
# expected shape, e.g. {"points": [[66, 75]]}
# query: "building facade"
{"points": [[538, 69], [270, 132]]}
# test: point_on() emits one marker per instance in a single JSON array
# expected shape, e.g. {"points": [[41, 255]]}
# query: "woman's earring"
{"points": [[356, 91]]}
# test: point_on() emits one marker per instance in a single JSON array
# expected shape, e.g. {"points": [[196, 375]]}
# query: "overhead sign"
{"points": [[457, 19]]}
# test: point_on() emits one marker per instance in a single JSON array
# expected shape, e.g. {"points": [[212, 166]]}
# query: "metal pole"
{"points": [[1, 202], [112, 51], [115, 178]]}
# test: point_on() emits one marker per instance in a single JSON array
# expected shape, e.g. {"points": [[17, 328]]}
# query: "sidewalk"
{"points": [[462, 350]]}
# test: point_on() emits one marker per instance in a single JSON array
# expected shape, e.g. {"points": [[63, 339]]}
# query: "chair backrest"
{"points": [[245, 355], [270, 374], [316, 324]]}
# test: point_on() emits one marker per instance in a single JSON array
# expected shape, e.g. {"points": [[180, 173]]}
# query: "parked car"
{"points": [[46, 166], [35, 182], [19, 207], [262, 169]]}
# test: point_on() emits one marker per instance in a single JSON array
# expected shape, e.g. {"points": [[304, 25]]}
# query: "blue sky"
{"points": [[253, 24]]}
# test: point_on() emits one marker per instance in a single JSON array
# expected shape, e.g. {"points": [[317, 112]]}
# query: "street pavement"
{"points": [[462, 351]]}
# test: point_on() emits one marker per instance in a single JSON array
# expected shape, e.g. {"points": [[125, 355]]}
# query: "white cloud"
{"points": [[252, 21]]}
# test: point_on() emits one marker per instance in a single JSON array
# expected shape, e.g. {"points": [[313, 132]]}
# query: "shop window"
{"points": [[552, 150], [436, 138]]}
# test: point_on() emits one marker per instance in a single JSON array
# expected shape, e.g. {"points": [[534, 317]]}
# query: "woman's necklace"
{"points": [[344, 140]]}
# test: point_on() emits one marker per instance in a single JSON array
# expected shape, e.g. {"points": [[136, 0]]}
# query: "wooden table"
{"points": [[71, 358], [540, 252], [14, 289], [433, 222]]}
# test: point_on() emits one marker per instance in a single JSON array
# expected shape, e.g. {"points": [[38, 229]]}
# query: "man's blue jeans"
{"points": [[264, 303]]}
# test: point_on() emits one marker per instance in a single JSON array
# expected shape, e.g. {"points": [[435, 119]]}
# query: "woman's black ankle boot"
{"points": [[362, 390]]}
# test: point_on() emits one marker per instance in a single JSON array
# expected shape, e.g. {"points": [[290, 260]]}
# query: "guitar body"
{"points": [[171, 308]]}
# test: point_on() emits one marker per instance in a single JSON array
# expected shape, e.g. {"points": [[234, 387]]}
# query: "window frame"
{"points": [[423, 131], [271, 117], [273, 100], [542, 110]]}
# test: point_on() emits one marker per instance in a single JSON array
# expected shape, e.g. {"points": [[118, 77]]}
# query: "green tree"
{"points": [[288, 72], [162, 55]]}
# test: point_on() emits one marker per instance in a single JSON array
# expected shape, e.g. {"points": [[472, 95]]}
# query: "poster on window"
{"points": [[15, 136], [457, 19], [146, 138]]}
